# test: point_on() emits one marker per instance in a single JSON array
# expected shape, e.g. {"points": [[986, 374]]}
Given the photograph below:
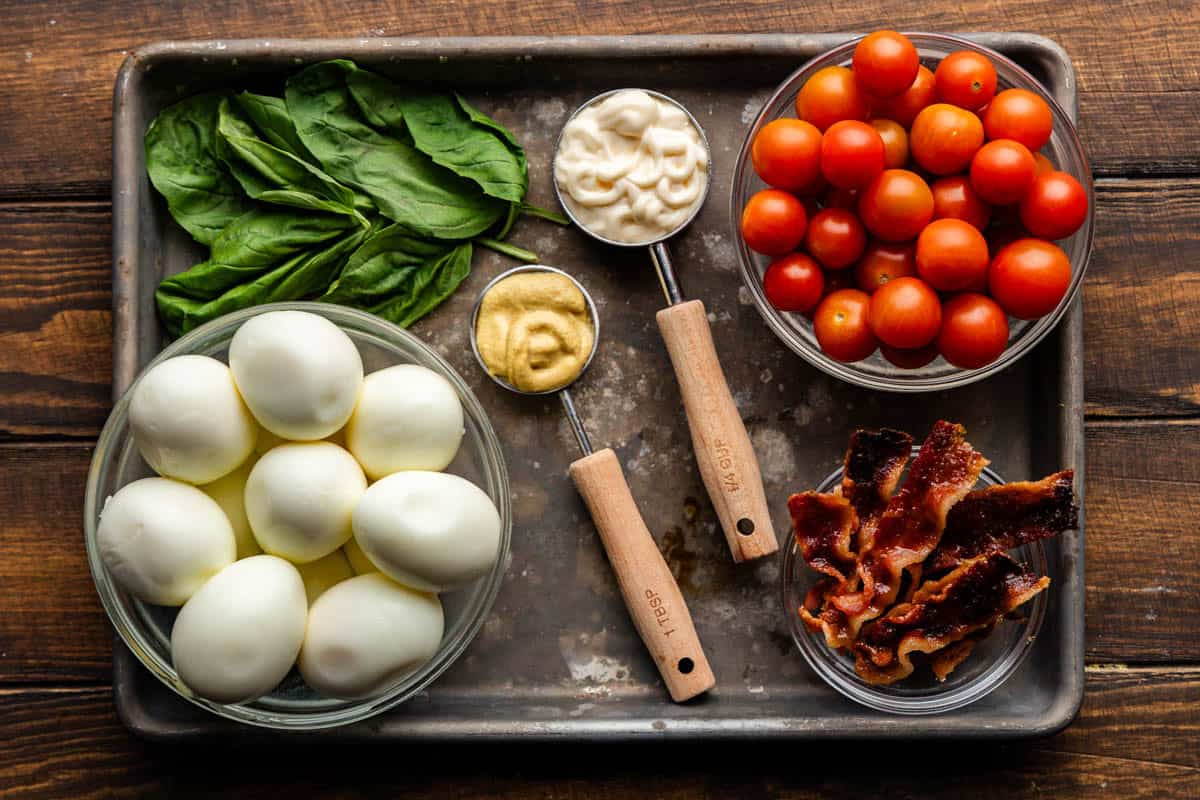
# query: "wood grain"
{"points": [[1139, 72]]}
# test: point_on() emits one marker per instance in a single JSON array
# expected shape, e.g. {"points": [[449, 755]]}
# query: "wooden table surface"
{"points": [[1139, 732]]}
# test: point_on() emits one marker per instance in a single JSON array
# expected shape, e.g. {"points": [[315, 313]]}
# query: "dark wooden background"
{"points": [[1139, 732]]}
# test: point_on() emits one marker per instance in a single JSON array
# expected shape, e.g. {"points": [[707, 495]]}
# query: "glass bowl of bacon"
{"points": [[921, 595]]}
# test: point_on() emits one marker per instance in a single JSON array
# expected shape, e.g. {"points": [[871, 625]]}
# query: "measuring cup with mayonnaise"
{"points": [[534, 331], [632, 169]]}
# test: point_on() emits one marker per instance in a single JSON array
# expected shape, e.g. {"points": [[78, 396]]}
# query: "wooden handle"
{"points": [[651, 594], [722, 446]]}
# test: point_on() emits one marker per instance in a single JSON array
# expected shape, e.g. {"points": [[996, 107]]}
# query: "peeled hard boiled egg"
{"points": [[429, 530], [188, 420], [357, 558], [230, 494], [300, 498], [323, 574], [238, 636], [408, 417], [299, 373], [162, 539], [366, 633]]}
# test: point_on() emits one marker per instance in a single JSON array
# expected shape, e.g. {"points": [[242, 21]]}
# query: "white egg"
{"points": [[300, 498], [298, 372], [230, 494], [323, 574], [407, 417], [429, 530], [239, 635], [188, 420], [161, 539], [357, 558], [367, 633]]}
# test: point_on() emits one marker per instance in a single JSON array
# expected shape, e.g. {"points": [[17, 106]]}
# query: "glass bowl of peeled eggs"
{"points": [[298, 516]]}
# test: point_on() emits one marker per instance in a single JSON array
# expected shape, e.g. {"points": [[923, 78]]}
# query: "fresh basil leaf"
{"points": [[185, 168], [270, 117], [427, 199], [377, 98]]}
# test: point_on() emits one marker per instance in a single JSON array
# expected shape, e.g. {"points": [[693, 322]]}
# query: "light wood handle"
{"points": [[722, 446], [651, 594]]}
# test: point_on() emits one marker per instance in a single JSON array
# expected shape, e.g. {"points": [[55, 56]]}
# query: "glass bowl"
{"points": [[990, 664], [146, 629], [875, 372]]}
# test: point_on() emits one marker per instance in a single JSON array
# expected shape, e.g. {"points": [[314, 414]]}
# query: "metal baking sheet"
{"points": [[558, 656]]}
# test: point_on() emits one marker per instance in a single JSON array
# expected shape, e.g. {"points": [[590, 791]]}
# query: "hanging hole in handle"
{"points": [[745, 526], [686, 665]]}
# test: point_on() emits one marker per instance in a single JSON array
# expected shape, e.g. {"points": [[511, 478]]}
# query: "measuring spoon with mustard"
{"points": [[534, 331], [631, 169]]}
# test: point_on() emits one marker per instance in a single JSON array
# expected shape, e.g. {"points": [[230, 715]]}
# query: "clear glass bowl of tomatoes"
{"points": [[916, 241]]}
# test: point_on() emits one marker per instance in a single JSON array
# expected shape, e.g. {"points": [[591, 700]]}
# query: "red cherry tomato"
{"points": [[841, 326], [1044, 164], [1029, 277], [974, 331], [1055, 206], [944, 138], [852, 154], [773, 222], [794, 283], [831, 95], [952, 255], [903, 108], [787, 153], [905, 313], [1001, 236], [882, 262], [841, 198], [909, 359], [966, 79], [885, 63], [835, 237], [954, 198], [896, 205], [1021, 115], [1002, 172], [895, 142]]}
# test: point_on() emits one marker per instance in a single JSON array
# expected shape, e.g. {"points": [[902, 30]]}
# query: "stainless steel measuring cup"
{"points": [[651, 594], [728, 465]]}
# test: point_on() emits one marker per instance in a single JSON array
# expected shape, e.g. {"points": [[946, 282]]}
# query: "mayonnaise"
{"points": [[632, 167]]}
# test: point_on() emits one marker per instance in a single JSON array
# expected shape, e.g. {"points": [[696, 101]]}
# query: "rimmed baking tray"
{"points": [[558, 658]]}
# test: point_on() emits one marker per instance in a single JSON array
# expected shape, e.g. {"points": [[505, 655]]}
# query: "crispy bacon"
{"points": [[999, 518], [946, 660], [822, 524], [971, 598], [874, 462]]}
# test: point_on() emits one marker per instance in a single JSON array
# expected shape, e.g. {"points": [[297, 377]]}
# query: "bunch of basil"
{"points": [[348, 189]]}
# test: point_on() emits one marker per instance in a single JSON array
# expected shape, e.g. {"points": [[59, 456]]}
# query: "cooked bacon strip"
{"points": [[874, 461], [999, 518], [946, 660], [829, 621], [912, 524], [822, 524], [971, 598]]}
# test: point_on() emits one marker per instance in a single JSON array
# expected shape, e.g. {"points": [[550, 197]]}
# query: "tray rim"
{"points": [[126, 323]]}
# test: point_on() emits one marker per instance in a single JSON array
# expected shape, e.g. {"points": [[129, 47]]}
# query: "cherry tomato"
{"points": [[882, 262], [841, 198], [787, 153], [831, 95], [816, 187], [895, 142], [966, 79], [944, 138], [1002, 172], [841, 326], [773, 222], [952, 255], [904, 107], [974, 331], [886, 63], [794, 283], [896, 205], [909, 359], [835, 237], [1001, 236], [1044, 164], [954, 198], [905, 313], [1021, 115], [1055, 207], [1029, 277], [852, 154]]}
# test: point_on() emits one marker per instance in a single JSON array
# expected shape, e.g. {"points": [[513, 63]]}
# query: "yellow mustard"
{"points": [[534, 331]]}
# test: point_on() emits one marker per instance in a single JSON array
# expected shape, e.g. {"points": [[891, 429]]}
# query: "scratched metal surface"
{"points": [[558, 656]]}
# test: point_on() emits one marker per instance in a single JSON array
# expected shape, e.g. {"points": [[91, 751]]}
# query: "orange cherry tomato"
{"points": [[852, 154], [831, 95], [954, 198], [966, 79], [1021, 115], [1055, 206], [895, 142], [904, 107], [944, 138], [896, 205], [835, 237], [882, 262], [974, 331], [952, 255], [787, 153], [886, 63], [905, 313], [1044, 164], [841, 327], [794, 283], [1002, 172], [773, 222], [1029, 278]]}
